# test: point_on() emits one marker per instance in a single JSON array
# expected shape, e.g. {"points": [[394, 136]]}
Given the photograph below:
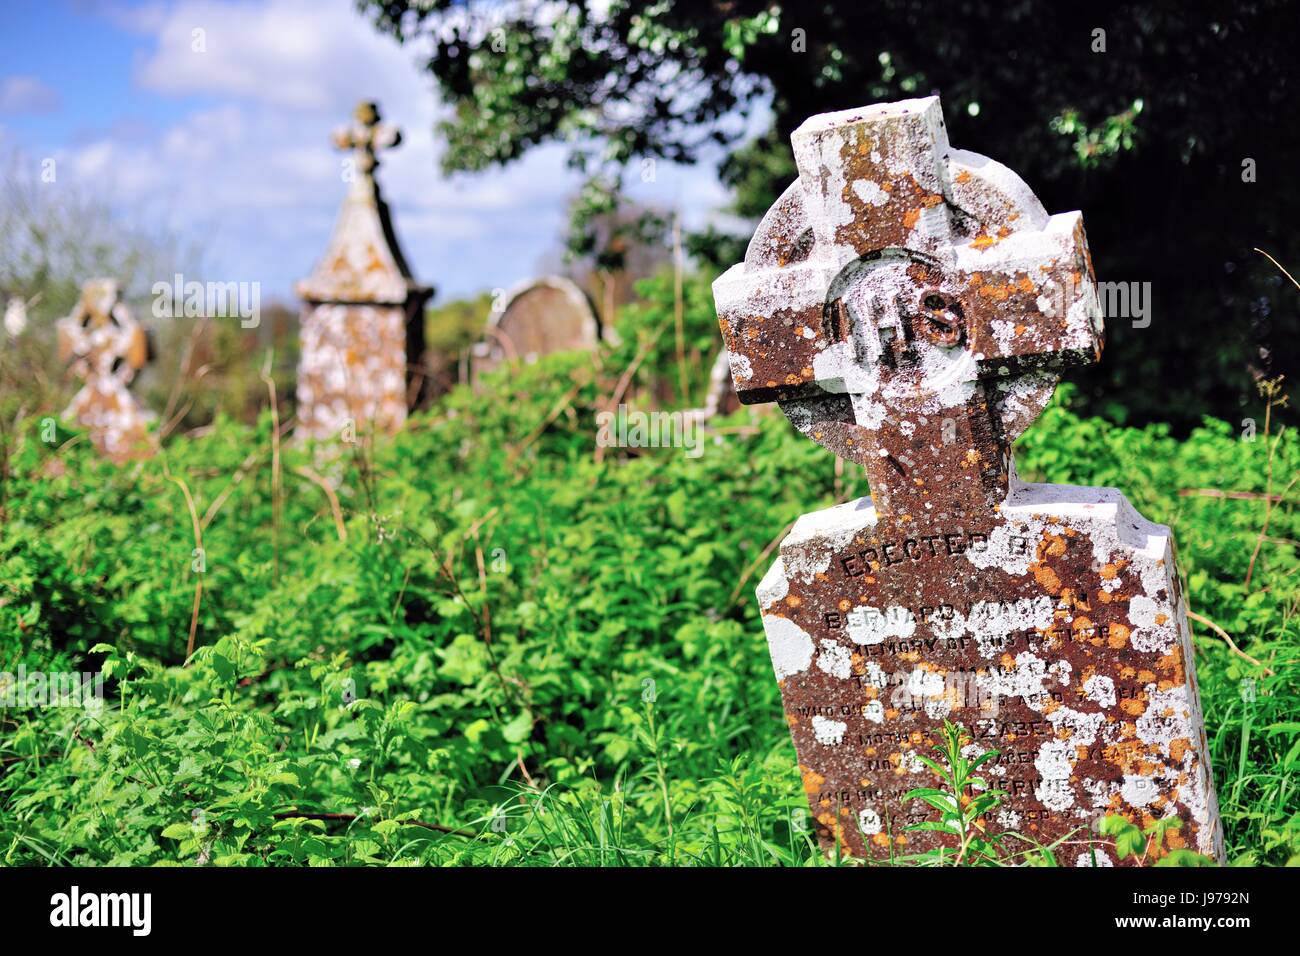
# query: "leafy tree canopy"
{"points": [[1146, 116]]}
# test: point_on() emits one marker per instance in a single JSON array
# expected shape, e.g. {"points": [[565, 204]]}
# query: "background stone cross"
{"points": [[909, 305], [106, 348], [365, 137], [363, 316]]}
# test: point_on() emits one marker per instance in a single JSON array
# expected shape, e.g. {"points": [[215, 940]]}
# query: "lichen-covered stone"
{"points": [[106, 348], [910, 306], [362, 322], [535, 318]]}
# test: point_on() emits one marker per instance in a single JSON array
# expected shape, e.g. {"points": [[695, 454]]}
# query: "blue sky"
{"points": [[227, 147]]}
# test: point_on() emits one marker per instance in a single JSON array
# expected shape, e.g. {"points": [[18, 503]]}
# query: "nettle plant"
{"points": [[965, 802], [448, 663]]}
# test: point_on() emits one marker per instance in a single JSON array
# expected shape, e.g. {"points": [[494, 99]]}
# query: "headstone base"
{"points": [[1054, 630]]}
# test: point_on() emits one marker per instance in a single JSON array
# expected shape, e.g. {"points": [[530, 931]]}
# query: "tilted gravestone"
{"points": [[536, 318], [363, 320], [910, 306], [106, 348]]}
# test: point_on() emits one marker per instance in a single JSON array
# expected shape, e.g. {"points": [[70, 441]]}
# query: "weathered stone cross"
{"points": [[363, 318], [106, 348], [910, 306], [365, 137]]}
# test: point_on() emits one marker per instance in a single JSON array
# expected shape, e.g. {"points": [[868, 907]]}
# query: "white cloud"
{"points": [[304, 54], [26, 94], [250, 175]]}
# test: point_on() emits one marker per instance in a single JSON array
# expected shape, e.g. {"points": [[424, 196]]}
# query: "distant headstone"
{"points": [[106, 348], [910, 306], [536, 318], [363, 319]]}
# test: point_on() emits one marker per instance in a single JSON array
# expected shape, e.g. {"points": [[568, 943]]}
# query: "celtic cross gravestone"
{"points": [[106, 348], [910, 306]]}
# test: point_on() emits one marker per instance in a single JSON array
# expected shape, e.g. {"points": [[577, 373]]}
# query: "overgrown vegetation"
{"points": [[490, 645]]}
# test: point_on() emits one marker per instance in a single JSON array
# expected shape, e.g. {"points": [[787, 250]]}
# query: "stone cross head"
{"points": [[101, 338], [909, 306], [366, 136]]}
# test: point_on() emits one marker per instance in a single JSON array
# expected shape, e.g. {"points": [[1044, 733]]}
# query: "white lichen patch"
{"points": [[1094, 856], [869, 822], [834, 659], [1007, 549], [1153, 625], [1055, 762], [1138, 790], [870, 625], [829, 733], [870, 192], [1100, 690], [790, 645], [774, 587]]}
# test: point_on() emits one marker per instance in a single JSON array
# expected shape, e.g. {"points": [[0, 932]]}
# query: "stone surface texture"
{"points": [[535, 318], [106, 348], [911, 306], [363, 318]]}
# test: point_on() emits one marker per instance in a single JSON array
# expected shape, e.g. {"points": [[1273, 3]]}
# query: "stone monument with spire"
{"points": [[363, 314]]}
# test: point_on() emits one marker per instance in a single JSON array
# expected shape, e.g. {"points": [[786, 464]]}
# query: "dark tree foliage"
{"points": [[1149, 137]]}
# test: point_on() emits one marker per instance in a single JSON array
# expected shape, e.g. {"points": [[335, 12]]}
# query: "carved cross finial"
{"points": [[365, 137], [910, 306]]}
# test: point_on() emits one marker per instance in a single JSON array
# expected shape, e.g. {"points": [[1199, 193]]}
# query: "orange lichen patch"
{"points": [[999, 293], [792, 379], [932, 200], [1021, 330], [963, 176], [792, 720], [1109, 571], [1134, 708], [806, 371], [1046, 578], [812, 780], [880, 839], [910, 217], [1052, 544], [845, 604], [1172, 664], [794, 600], [1007, 661], [891, 713], [1161, 619], [1179, 747], [983, 241], [1146, 676], [1026, 285], [972, 457], [1118, 636]]}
